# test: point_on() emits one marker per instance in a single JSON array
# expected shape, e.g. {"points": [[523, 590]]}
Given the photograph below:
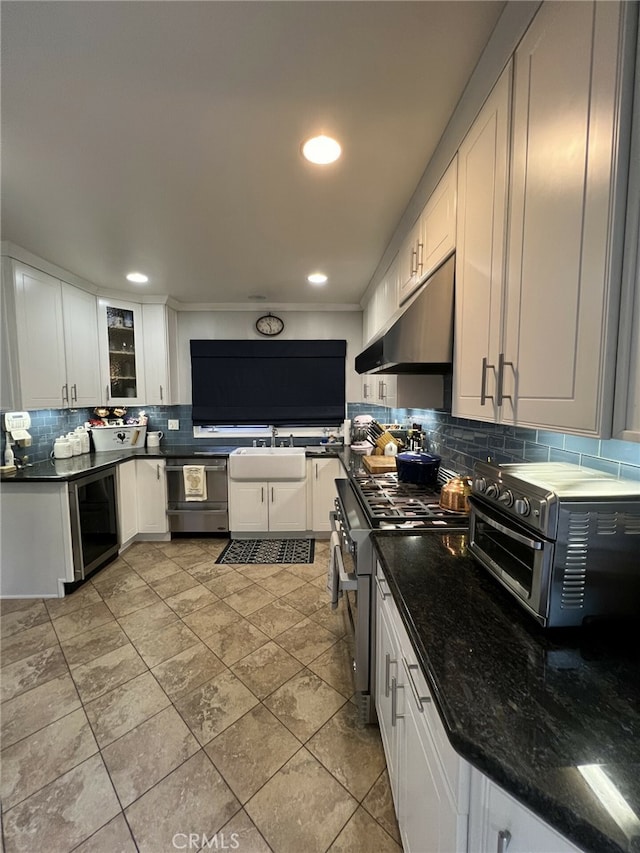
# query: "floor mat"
{"points": [[268, 551]]}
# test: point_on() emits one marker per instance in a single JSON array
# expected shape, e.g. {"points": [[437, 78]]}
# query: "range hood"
{"points": [[419, 338]]}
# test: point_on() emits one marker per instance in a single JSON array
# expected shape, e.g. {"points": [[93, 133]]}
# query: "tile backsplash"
{"points": [[459, 441], [462, 442]]}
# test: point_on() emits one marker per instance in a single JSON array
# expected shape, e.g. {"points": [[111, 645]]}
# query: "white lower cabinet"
{"points": [[429, 780], [151, 494], [267, 505], [127, 501], [498, 822], [321, 477]]}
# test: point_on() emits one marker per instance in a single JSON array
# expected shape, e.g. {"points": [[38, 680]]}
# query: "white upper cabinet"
{"points": [[433, 237], [121, 352], [567, 194], [382, 303], [439, 222], [483, 164], [79, 311], [627, 399], [55, 339], [158, 322], [536, 333]]}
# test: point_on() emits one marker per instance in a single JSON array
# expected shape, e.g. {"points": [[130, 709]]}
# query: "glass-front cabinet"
{"points": [[121, 352]]}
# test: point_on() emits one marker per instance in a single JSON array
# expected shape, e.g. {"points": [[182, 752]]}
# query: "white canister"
{"points": [[62, 448], [76, 444], [85, 444], [391, 449], [153, 438]]}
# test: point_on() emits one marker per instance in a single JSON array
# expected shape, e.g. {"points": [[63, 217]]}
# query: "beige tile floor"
{"points": [[175, 704]]}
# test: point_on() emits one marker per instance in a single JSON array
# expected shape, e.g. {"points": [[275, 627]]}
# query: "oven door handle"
{"points": [[347, 581], [535, 544], [207, 468]]}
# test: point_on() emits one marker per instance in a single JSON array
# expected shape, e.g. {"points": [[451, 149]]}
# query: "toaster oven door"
{"points": [[520, 559]]}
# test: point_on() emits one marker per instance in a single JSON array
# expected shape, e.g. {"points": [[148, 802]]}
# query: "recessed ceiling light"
{"points": [[317, 278], [137, 277], [321, 150]]}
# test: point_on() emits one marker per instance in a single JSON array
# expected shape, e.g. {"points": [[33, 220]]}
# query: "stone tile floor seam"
{"points": [[129, 698]]}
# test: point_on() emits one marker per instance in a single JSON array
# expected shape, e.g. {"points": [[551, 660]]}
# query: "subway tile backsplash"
{"points": [[460, 442]]}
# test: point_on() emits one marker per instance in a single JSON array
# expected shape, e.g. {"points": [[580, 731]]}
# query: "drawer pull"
{"points": [[419, 699], [395, 716], [380, 590], [387, 668], [504, 837]]}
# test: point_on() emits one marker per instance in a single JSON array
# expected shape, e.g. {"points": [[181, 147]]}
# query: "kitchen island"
{"points": [[529, 709]]}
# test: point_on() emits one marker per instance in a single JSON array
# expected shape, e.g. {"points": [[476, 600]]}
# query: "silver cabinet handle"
{"points": [[106, 391], [419, 257], [65, 394], [364, 391], [483, 388], [158, 471], [74, 393], [161, 395], [387, 672], [380, 590], [414, 257], [504, 837], [419, 699], [501, 365], [272, 498], [316, 470], [395, 716], [262, 494]]}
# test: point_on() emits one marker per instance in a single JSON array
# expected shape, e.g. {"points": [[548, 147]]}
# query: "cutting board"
{"points": [[379, 464]]}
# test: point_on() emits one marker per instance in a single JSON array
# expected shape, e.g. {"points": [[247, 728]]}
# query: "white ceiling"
{"points": [[164, 137]]}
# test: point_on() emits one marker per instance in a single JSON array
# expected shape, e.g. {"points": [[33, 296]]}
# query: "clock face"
{"points": [[269, 325]]}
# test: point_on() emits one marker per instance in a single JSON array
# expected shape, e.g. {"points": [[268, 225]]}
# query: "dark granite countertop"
{"points": [[53, 470], [530, 709]]}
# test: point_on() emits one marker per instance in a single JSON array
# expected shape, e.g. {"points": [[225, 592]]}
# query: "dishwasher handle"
{"points": [[206, 468]]}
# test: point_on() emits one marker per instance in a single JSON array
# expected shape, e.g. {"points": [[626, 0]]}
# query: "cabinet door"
{"points": [[81, 346], [427, 814], [121, 352], [287, 505], [408, 258], [323, 475], [566, 197], [437, 238], [40, 338], [155, 336], [494, 813], [483, 162], [127, 501], [386, 687], [152, 496], [248, 506]]}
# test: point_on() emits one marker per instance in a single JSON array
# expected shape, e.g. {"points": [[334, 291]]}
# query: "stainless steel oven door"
{"points": [[520, 559], [355, 604]]}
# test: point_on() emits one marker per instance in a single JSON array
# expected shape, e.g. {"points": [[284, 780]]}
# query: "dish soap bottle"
{"points": [[9, 458]]}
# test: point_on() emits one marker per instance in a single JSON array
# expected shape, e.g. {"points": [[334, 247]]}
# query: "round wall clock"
{"points": [[269, 325]]}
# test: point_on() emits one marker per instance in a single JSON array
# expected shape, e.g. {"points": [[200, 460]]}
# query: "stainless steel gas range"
{"points": [[368, 502]]}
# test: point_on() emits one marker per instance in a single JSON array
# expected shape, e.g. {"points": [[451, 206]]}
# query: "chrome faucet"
{"points": [[274, 433]]}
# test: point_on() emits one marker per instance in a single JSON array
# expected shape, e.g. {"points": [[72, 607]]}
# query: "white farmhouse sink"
{"points": [[267, 463]]}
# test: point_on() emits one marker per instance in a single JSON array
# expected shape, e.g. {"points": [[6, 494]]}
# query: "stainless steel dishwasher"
{"points": [[206, 516]]}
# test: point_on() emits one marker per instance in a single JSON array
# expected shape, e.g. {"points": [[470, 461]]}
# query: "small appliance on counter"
{"points": [[563, 539]]}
